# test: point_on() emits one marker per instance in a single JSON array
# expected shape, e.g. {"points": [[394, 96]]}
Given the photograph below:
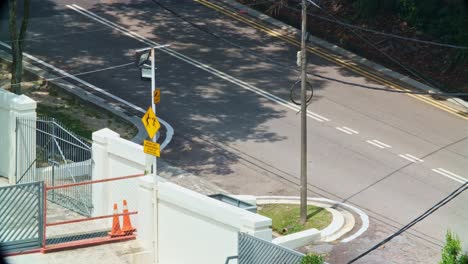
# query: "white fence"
{"points": [[11, 107], [179, 225]]}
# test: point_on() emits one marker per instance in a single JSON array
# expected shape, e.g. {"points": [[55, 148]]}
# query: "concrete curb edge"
{"points": [[363, 216], [93, 99]]}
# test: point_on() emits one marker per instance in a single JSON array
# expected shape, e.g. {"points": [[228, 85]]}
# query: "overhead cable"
{"points": [[418, 219], [283, 65], [428, 42]]}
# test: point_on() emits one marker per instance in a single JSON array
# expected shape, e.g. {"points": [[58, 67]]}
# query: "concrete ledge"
{"points": [[336, 224], [305, 237], [210, 208], [298, 239]]}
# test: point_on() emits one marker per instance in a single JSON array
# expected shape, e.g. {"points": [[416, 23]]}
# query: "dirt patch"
{"points": [[77, 115]]}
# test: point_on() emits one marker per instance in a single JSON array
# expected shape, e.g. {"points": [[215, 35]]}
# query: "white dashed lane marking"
{"points": [[450, 175], [378, 144], [411, 158], [347, 130]]}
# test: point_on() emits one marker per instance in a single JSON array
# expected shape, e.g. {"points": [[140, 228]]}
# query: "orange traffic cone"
{"points": [[115, 232], [127, 227]]}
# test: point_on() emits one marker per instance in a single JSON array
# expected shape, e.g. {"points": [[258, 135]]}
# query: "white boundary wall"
{"points": [[11, 107], [115, 157], [194, 228], [180, 225]]}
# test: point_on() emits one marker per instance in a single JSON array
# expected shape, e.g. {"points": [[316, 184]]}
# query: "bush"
{"points": [[312, 259], [452, 251]]}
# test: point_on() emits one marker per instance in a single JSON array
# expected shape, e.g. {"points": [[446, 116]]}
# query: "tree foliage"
{"points": [[17, 40], [446, 19]]}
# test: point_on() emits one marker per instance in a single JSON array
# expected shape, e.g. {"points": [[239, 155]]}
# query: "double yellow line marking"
{"points": [[330, 57]]}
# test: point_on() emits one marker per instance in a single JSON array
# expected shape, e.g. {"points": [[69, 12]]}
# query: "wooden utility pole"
{"points": [[303, 188]]}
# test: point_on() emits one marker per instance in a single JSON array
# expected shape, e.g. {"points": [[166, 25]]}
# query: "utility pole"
{"points": [[303, 187]]}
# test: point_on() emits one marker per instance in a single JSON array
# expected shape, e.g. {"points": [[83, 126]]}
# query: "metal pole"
{"points": [[153, 87], [303, 188]]}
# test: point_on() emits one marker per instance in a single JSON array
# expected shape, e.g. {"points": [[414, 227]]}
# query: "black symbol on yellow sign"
{"points": [[151, 122]]}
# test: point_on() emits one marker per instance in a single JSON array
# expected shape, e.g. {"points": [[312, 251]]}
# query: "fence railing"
{"points": [[49, 152], [21, 208], [65, 228], [254, 250]]}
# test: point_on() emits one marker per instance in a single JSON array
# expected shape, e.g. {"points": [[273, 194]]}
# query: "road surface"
{"points": [[225, 90]]}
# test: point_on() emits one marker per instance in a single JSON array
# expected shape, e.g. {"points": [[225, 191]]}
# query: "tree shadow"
{"points": [[209, 113]]}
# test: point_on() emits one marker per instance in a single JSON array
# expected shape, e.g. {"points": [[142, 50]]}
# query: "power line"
{"points": [[418, 219], [283, 65], [407, 68], [81, 73], [56, 35], [428, 42], [394, 60]]}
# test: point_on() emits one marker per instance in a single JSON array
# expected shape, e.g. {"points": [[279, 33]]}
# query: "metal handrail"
{"points": [[228, 259]]}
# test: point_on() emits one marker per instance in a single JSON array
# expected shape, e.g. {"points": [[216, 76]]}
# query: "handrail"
{"points": [[231, 258]]}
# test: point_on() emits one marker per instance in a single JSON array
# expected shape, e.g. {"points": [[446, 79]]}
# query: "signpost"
{"points": [[150, 120], [144, 57]]}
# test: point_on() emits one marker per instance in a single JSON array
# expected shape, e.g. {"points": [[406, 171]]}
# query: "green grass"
{"points": [[69, 122], [286, 219]]}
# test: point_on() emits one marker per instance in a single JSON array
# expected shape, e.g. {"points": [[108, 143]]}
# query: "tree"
{"points": [[17, 41]]}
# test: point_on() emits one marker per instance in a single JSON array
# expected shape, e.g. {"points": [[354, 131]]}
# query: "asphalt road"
{"points": [[232, 122]]}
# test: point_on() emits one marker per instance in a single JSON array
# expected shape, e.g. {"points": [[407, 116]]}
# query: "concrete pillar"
{"points": [[147, 216], [101, 169], [11, 107], [116, 157]]}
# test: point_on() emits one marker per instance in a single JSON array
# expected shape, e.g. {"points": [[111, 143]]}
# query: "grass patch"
{"points": [[286, 218], [75, 125]]}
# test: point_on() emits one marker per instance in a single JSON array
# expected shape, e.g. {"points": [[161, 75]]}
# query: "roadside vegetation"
{"points": [[452, 252], [312, 259], [286, 218], [440, 21], [79, 116]]}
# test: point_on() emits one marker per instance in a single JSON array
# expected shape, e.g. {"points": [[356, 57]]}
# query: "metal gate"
{"points": [[49, 152], [21, 217], [253, 250]]}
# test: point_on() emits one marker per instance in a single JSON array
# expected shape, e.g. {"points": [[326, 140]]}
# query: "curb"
{"points": [[338, 220], [336, 229], [100, 102], [324, 202], [454, 102]]}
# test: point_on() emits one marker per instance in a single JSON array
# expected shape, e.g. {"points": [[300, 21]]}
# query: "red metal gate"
{"points": [[66, 229]]}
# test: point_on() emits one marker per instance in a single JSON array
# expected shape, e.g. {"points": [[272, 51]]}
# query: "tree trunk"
{"points": [[17, 43]]}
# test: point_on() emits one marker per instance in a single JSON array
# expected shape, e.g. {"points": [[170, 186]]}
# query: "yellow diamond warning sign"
{"points": [[151, 122], [151, 148]]}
